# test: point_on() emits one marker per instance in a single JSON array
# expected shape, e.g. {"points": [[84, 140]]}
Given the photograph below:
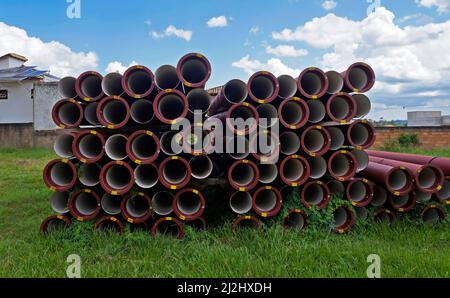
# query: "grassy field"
{"points": [[406, 249]]}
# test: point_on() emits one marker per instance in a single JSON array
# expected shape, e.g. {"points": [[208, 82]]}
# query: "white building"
{"points": [[17, 88]]}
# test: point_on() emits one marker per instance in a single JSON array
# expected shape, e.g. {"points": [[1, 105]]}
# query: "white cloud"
{"points": [[274, 65], [116, 66], [220, 21], [171, 30], [54, 56], [329, 5], [254, 29], [441, 5], [286, 51]]}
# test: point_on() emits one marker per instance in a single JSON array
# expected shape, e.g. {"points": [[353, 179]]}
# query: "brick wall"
{"points": [[430, 137]]}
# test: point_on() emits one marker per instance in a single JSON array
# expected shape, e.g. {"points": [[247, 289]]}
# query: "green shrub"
{"points": [[409, 140]]}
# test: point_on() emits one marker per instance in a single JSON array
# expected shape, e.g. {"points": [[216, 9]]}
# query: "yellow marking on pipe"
{"points": [[359, 148], [365, 180], [188, 84], [396, 193], [343, 122], [182, 217], [173, 187], [245, 161], [83, 160], [62, 126], [261, 101], [199, 55], [116, 97], [247, 217], [195, 191], [168, 218], [79, 218], [174, 157], [341, 179], [130, 220], [119, 162], [114, 193], [59, 217], [292, 127], [439, 188], [137, 161], [93, 132], [318, 127], [86, 99], [314, 97], [264, 214], [401, 209], [294, 184], [110, 126], [52, 188], [137, 96], [112, 218], [268, 187], [141, 194], [87, 190]]}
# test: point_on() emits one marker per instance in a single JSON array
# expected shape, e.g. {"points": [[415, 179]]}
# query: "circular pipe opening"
{"points": [[61, 174], [146, 175], [293, 170], [194, 69], [290, 143], [115, 112], [175, 171], [243, 174], [54, 223], [198, 224], [422, 197], [143, 146], [335, 82], [89, 174], [112, 84], [235, 91], [295, 220], [171, 143], [238, 147], [266, 201], [138, 80], [342, 165], [318, 167], [111, 204], [265, 147], [336, 187], [109, 225], [357, 191], [398, 179], [267, 114], [90, 113], [162, 203], [428, 178], [241, 202], [59, 202], [380, 196], [90, 146], [85, 204], [361, 212], [343, 218], [444, 193], [118, 177], [267, 173], [359, 77], [89, 85], [432, 215], [170, 106], [363, 105], [171, 228], [315, 140], [69, 113], [317, 111], [115, 147], [66, 87], [201, 166], [242, 118], [142, 111], [189, 203], [362, 159], [63, 146], [293, 113], [247, 222], [341, 107], [337, 138], [138, 207], [312, 82], [262, 87], [314, 194], [288, 86], [199, 100], [166, 77], [385, 216]]}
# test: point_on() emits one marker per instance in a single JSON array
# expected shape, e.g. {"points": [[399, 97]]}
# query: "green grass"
{"points": [[407, 249]]}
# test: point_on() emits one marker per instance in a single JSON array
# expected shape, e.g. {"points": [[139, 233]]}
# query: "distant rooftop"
{"points": [[16, 56], [12, 69]]}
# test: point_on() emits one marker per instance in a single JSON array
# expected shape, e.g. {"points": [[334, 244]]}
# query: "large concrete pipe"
{"points": [[113, 112], [288, 86], [54, 223], [171, 143], [444, 194], [263, 87], [294, 170], [315, 141], [59, 202], [67, 113], [146, 176], [342, 165], [337, 138], [380, 196], [241, 202], [109, 224], [112, 84], [117, 177], [267, 201], [116, 147], [385, 216], [268, 173], [89, 174], [169, 226], [201, 166], [170, 106], [343, 219], [111, 204], [162, 203], [63, 146], [141, 111], [136, 208], [360, 134], [198, 224], [404, 203], [90, 113], [361, 213], [428, 178], [84, 205], [166, 77], [265, 147], [238, 147], [422, 197], [241, 119], [66, 87], [362, 159], [89, 146], [174, 172], [233, 92], [60, 175], [293, 113], [315, 193], [198, 100], [359, 77], [312, 83], [296, 220], [89, 86], [193, 70], [318, 167], [138, 82], [189, 204], [335, 82], [289, 143], [246, 222], [341, 107], [243, 175], [336, 188], [267, 114], [317, 111], [432, 214], [398, 180], [143, 147], [363, 105], [359, 192]]}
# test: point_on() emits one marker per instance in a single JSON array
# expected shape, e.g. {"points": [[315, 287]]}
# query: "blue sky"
{"points": [[123, 32]]}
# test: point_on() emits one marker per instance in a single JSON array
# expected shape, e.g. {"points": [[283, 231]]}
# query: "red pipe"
{"points": [[55, 220], [109, 223], [233, 92], [296, 219], [66, 87], [342, 165], [67, 113], [243, 175], [271, 141], [138, 82], [168, 225], [385, 214], [136, 209], [194, 70], [63, 145], [315, 140], [117, 170], [89, 146], [189, 204], [361, 134], [356, 195], [359, 77], [56, 170], [293, 113], [312, 83], [143, 147], [246, 221], [403, 203], [398, 180], [170, 106], [294, 170], [444, 194], [89, 86], [315, 193], [171, 164], [418, 171], [432, 214], [113, 112], [84, 205], [341, 107], [344, 219], [263, 87], [267, 201]]}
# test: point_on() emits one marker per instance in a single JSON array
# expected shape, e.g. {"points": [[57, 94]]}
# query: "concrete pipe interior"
{"points": [[337, 138], [189, 203], [137, 206], [86, 204], [91, 86], [63, 146], [61, 174], [111, 204], [293, 170], [175, 171], [166, 77], [266, 200], [118, 177], [235, 91], [171, 106], [144, 146], [89, 174], [115, 147], [288, 86], [201, 166], [139, 81], [162, 203], [243, 174], [262, 87], [290, 143], [114, 112], [267, 173], [335, 82], [314, 194], [112, 84], [318, 167], [142, 111], [241, 202], [146, 176], [317, 111], [58, 202], [90, 146]]}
